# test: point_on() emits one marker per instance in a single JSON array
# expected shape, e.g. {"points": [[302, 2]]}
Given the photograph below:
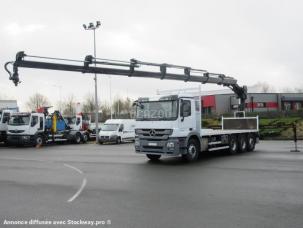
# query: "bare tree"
{"points": [[88, 104], [37, 101], [299, 90], [105, 111], [69, 106], [122, 107], [264, 87]]}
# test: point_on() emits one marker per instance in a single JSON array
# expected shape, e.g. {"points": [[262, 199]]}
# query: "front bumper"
{"points": [[147, 146], [3, 136], [20, 139], [105, 139]]}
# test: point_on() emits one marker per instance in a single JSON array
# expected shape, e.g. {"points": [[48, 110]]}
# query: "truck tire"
{"points": [[153, 157], [193, 151], [85, 138], [233, 144], [118, 140], [38, 141], [251, 142], [77, 138], [242, 141]]}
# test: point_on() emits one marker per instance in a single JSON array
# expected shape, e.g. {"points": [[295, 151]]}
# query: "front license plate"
{"points": [[152, 144]]}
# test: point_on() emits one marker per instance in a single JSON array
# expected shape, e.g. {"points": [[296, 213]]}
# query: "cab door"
{"points": [[186, 112], [34, 124]]}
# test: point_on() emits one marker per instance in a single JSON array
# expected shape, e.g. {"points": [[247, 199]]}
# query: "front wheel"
{"points": [[118, 140], [153, 157], [77, 138], [193, 151], [38, 141]]}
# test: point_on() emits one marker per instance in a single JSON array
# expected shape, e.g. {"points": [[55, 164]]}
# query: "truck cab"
{"points": [[117, 130], [26, 128], [170, 125], [4, 118]]}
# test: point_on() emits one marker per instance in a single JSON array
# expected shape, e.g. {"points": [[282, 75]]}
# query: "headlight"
{"points": [[137, 142], [170, 145]]}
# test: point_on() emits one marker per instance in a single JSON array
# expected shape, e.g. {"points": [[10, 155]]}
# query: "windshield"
{"points": [[70, 120], [0, 115], [110, 127], [157, 110], [19, 120]]}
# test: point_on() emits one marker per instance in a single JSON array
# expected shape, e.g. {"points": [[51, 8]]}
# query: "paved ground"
{"points": [[91, 182]]}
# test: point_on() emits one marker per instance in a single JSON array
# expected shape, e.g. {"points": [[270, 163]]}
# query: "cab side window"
{"points": [[121, 127], [186, 108], [41, 123], [6, 117], [34, 121]]}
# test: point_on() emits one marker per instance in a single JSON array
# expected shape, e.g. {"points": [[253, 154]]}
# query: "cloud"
{"points": [[15, 29]]}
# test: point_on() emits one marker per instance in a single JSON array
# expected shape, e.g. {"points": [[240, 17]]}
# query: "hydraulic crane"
{"points": [[127, 68]]}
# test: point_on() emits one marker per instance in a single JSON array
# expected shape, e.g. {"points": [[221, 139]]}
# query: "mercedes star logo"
{"points": [[152, 132]]}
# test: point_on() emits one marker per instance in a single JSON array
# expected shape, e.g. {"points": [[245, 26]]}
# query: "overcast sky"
{"points": [[247, 39]]}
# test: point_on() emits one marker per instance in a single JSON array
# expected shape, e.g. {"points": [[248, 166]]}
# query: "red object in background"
{"points": [[208, 101], [40, 110]]}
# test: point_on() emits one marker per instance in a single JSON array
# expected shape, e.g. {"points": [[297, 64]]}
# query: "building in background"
{"points": [[256, 102], [9, 105]]}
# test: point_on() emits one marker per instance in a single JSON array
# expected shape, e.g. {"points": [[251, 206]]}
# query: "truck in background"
{"points": [[4, 118], [79, 122], [117, 131], [39, 128], [170, 125]]}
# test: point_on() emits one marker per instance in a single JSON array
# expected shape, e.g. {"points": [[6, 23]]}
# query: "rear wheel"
{"points": [[153, 157], [242, 141], [233, 144], [251, 142], [193, 151], [85, 138]]}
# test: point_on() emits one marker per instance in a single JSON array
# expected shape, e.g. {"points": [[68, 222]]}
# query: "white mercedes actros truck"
{"points": [[170, 125], [165, 125]]}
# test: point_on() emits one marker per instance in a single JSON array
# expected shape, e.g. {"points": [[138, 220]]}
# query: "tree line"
{"points": [[120, 108]]}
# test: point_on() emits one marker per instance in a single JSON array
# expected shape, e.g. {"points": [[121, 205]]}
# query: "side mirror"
{"points": [[78, 121], [33, 123], [182, 111]]}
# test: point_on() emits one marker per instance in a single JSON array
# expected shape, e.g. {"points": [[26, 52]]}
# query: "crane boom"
{"points": [[123, 68]]}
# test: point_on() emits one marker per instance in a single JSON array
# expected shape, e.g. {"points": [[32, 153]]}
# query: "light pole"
{"points": [[92, 26], [110, 97]]}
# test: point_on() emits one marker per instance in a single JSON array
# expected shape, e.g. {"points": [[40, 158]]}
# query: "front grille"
{"points": [[16, 131], [160, 134], [104, 137]]}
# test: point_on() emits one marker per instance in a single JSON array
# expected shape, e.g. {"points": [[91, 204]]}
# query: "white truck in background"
{"points": [[4, 118], [35, 128], [170, 125], [117, 131]]}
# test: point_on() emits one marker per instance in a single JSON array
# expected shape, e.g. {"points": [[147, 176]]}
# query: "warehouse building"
{"points": [[256, 102], [9, 105]]}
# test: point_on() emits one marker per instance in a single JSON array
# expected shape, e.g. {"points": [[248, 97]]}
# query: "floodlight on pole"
{"points": [[92, 26]]}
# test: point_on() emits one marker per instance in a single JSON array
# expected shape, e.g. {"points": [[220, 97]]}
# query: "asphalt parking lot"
{"points": [[112, 184]]}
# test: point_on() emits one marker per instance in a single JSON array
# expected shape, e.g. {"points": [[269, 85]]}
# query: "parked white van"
{"points": [[117, 130]]}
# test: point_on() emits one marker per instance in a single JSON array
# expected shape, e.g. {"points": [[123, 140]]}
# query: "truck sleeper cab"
{"points": [[171, 126], [117, 131]]}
